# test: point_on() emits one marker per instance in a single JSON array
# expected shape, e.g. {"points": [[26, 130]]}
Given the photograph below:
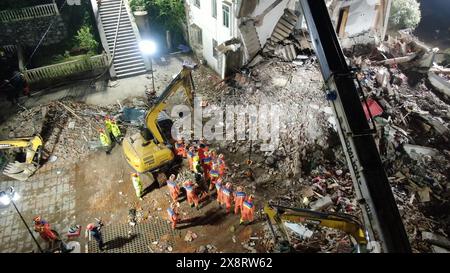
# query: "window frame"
{"points": [[228, 6], [214, 8]]}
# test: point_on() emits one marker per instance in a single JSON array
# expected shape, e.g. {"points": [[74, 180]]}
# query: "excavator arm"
{"points": [[373, 191], [33, 147], [182, 79], [148, 151], [344, 222]]}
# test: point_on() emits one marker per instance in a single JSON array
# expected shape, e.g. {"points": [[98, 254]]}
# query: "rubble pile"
{"points": [[308, 168], [69, 129]]}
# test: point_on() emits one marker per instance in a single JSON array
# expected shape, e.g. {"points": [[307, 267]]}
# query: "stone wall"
{"points": [[29, 32]]}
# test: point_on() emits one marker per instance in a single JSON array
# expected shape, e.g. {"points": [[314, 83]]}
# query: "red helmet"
{"points": [[251, 197], [37, 219], [90, 226]]}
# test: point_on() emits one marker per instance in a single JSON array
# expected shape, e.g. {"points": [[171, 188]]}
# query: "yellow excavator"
{"points": [[344, 222], [33, 147], [150, 151]]}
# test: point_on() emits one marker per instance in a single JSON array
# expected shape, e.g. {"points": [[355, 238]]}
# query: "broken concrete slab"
{"points": [[416, 151], [438, 249], [435, 239], [322, 203], [300, 230]]}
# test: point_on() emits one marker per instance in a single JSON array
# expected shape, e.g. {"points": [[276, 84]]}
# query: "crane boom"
{"points": [[380, 213]]}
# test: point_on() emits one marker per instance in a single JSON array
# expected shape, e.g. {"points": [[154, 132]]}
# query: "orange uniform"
{"points": [[173, 217], [180, 149], [213, 176], [222, 165], [206, 165], [248, 210], [192, 197], [227, 197], [190, 156], [218, 185], [174, 189], [239, 198], [43, 227]]}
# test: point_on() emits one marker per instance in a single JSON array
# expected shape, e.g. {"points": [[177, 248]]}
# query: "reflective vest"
{"points": [[190, 154], [240, 194], [171, 212], [195, 162], [214, 173], [136, 182], [115, 130], [189, 188], [226, 191], [171, 183], [108, 125], [105, 140], [248, 204], [207, 160], [218, 186]]}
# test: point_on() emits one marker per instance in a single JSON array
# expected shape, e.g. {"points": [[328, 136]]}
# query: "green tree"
{"points": [[166, 13], [405, 14], [86, 39]]}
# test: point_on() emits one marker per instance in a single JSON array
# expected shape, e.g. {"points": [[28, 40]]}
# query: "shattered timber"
{"points": [[403, 92]]}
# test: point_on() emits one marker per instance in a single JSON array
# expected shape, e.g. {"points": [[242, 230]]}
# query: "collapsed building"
{"points": [[229, 39]]}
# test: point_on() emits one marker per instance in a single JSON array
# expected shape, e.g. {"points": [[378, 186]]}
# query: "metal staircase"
{"points": [[127, 58]]}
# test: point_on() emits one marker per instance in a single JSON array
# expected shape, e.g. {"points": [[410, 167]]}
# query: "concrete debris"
{"points": [[300, 230], [322, 203], [190, 236], [436, 239]]}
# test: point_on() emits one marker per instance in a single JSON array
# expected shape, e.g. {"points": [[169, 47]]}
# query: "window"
{"points": [[197, 3], [214, 8], [226, 15], [214, 44], [197, 37]]}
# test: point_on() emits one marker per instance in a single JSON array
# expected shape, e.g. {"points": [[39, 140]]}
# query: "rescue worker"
{"points": [[248, 209], [190, 156], [222, 165], [197, 168], [219, 191], [239, 197], [192, 197], [180, 148], [95, 231], [227, 196], [43, 228], [201, 152], [206, 165], [213, 175], [115, 130], [205, 144], [174, 189], [106, 141], [172, 211], [137, 184]]}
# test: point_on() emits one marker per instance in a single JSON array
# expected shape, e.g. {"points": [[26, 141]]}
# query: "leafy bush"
{"points": [[166, 13], [86, 39], [405, 14]]}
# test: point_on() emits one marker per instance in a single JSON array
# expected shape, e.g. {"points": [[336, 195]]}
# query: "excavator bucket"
{"points": [[19, 171]]}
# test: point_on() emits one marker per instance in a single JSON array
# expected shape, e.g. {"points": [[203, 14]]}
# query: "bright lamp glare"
{"points": [[4, 199], [147, 47]]}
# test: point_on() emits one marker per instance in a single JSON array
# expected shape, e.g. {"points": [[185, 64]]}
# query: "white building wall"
{"points": [[361, 17], [212, 28]]}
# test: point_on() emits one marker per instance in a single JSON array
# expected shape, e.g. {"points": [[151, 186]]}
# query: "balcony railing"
{"points": [[29, 13], [62, 70]]}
